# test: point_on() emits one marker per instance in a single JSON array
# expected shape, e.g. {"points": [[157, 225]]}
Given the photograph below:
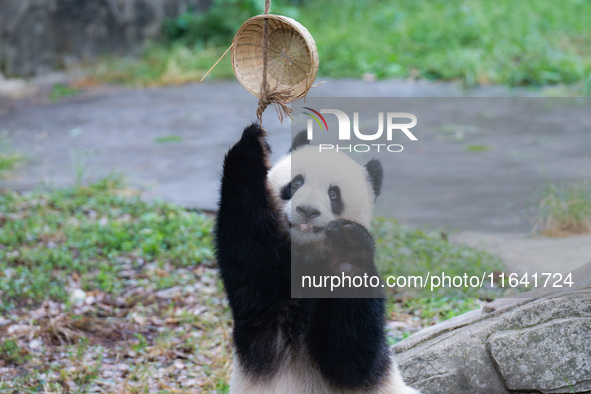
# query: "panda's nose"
{"points": [[307, 212]]}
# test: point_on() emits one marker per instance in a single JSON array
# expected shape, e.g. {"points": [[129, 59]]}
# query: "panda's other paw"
{"points": [[350, 251], [348, 233], [335, 231], [349, 248]]}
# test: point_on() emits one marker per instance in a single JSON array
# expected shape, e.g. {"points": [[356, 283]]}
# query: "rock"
{"points": [[15, 88], [2, 17], [36, 344], [170, 293], [39, 35], [178, 364], [18, 329], [85, 28], [564, 345], [540, 342], [77, 297], [28, 46]]}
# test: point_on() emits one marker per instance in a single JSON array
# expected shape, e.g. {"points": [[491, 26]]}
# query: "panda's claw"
{"points": [[335, 230], [348, 233]]}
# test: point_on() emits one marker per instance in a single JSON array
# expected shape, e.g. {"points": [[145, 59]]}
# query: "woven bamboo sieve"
{"points": [[292, 56]]}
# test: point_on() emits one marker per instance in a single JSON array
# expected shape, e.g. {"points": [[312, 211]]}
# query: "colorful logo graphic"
{"points": [[315, 118]]}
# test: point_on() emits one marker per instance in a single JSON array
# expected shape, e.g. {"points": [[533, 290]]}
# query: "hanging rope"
{"points": [[271, 95]]}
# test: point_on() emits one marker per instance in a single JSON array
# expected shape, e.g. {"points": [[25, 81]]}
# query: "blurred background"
{"points": [[111, 151], [533, 43]]}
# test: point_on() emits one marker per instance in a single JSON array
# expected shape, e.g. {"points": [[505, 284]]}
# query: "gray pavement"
{"points": [[114, 129], [524, 254], [440, 183]]}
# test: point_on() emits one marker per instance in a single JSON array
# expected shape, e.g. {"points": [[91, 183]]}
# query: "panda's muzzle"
{"points": [[307, 212]]}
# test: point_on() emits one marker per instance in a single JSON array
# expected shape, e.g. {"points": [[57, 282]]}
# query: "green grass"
{"points": [[168, 139], [505, 42], [8, 161], [564, 209], [402, 250], [93, 232], [105, 240], [477, 148], [535, 42], [60, 91], [431, 310], [567, 382], [10, 352], [161, 64], [437, 309], [9, 158]]}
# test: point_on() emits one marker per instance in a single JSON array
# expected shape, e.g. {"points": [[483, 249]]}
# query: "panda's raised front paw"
{"points": [[247, 161], [254, 137]]}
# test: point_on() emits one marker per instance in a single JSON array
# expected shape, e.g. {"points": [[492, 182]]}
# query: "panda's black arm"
{"points": [[250, 247]]}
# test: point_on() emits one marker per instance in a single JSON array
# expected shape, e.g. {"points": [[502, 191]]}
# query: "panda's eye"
{"points": [[332, 194], [297, 183]]}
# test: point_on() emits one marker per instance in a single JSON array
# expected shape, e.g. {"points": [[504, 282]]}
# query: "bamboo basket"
{"points": [[292, 58]]}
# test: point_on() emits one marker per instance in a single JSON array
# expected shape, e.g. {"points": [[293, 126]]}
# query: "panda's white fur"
{"points": [[295, 370], [297, 375]]}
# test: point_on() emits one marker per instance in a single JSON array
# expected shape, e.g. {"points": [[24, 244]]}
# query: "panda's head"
{"points": [[314, 188]]}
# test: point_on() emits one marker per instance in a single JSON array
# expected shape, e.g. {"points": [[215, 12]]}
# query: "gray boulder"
{"points": [[40, 35], [538, 343]]}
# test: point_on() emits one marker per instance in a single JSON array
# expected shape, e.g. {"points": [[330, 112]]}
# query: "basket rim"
{"points": [[304, 86]]}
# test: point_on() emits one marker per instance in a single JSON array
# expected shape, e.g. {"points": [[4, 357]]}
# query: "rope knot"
{"points": [[276, 97]]}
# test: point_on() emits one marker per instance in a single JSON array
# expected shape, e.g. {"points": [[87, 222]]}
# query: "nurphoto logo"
{"points": [[393, 124]]}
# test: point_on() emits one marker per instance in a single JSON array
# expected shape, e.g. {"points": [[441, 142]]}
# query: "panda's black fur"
{"points": [[343, 339]]}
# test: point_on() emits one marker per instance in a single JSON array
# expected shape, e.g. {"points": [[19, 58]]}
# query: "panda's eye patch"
{"points": [[289, 190]]}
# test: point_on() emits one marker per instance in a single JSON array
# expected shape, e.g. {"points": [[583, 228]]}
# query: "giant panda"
{"points": [[266, 217]]}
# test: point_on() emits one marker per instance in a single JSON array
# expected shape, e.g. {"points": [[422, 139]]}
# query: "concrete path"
{"points": [[114, 129], [524, 254], [171, 142]]}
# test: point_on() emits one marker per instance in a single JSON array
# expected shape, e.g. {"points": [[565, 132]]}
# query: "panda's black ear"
{"points": [[375, 174], [301, 139]]}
